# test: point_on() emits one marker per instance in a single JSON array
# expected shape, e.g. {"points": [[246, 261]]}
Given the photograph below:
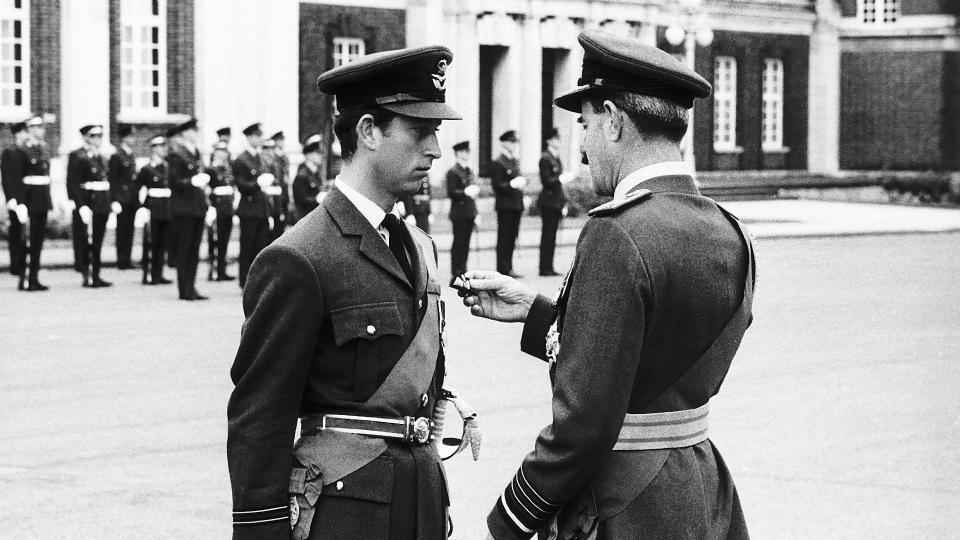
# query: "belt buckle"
{"points": [[418, 430]]}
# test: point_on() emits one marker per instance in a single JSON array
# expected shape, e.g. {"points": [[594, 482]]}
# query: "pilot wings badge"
{"points": [[440, 78]]}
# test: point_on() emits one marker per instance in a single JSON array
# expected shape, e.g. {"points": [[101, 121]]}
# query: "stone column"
{"points": [[85, 84], [823, 117], [527, 70]]}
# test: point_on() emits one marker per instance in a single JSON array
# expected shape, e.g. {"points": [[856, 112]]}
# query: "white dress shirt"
{"points": [[664, 168], [369, 209]]}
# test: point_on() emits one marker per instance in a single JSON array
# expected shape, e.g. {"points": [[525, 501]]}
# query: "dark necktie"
{"points": [[395, 228]]}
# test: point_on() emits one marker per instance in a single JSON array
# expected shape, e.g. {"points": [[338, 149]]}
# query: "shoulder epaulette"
{"points": [[618, 204]]}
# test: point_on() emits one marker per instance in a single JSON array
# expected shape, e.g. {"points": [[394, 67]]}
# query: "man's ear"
{"points": [[367, 133], [612, 121]]}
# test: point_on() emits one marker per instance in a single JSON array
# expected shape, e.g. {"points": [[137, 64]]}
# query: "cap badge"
{"points": [[440, 79]]}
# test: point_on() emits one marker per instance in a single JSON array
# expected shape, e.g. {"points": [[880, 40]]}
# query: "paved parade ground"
{"points": [[840, 417]]}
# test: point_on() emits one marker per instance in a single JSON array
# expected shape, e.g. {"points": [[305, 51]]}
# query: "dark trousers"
{"points": [[86, 255], [279, 225], [189, 236], [224, 227], [548, 237], [462, 230], [125, 235], [15, 243], [254, 236], [508, 227], [18, 247], [160, 232]]}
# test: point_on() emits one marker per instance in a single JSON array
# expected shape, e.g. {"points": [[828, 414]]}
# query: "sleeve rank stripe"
{"points": [[515, 524], [257, 522], [533, 508], [528, 488], [260, 516]]}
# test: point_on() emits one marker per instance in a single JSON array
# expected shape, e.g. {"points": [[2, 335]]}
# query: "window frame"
{"points": [[879, 10], [772, 95], [157, 67], [723, 92], [13, 112], [341, 54]]}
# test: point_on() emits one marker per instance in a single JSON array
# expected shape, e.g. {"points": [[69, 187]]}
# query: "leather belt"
{"points": [[655, 431], [158, 193], [413, 430], [33, 180], [100, 185], [223, 190]]}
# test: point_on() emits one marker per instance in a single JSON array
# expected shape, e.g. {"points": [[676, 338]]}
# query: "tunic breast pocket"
{"points": [[367, 338]]}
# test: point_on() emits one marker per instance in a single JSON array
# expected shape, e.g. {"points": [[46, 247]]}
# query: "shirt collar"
{"points": [[664, 168], [369, 209]]}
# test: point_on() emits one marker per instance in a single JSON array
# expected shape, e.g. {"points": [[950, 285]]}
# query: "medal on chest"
{"points": [[553, 334]]}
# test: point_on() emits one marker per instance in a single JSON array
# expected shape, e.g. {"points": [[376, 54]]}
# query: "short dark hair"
{"points": [[345, 127], [650, 115]]}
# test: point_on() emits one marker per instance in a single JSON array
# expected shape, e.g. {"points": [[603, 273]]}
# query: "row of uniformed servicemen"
{"points": [[168, 196]]}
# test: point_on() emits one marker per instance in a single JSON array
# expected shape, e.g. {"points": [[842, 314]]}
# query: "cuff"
{"points": [[541, 316], [521, 510], [260, 519]]}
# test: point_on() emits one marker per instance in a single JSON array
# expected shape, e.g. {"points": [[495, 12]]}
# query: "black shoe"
{"points": [[225, 277], [161, 281], [37, 286], [198, 296], [188, 298], [549, 273], [99, 283]]}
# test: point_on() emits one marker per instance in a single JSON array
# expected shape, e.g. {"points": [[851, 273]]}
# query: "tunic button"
{"points": [[371, 329], [339, 485], [423, 400]]}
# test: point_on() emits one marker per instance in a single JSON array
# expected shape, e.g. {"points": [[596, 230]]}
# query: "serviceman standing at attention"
{"points": [[153, 176], [122, 174], [29, 195], [188, 204], [342, 330], [651, 314], [462, 189], [508, 190], [551, 201], [282, 166], [88, 188], [308, 185], [222, 190], [254, 207], [13, 164]]}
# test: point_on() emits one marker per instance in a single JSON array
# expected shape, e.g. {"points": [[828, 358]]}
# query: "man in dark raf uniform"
{"points": [[342, 330], [308, 188], [222, 191], [122, 175], [89, 190], [188, 204], [508, 192], [462, 189], [551, 201], [253, 182], [153, 177], [25, 170], [651, 314], [416, 206]]}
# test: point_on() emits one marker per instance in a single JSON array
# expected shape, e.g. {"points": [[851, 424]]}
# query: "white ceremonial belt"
{"points": [[100, 185], [408, 428], [655, 431], [272, 190], [159, 193], [36, 180], [223, 190]]}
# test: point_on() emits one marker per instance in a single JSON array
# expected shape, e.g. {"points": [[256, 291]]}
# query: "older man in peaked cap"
{"points": [[644, 329], [342, 330]]}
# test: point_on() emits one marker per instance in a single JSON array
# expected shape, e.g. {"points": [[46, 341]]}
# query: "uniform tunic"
{"points": [[306, 186], [153, 176], [84, 166], [329, 312], [254, 210], [650, 289], [17, 163]]}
